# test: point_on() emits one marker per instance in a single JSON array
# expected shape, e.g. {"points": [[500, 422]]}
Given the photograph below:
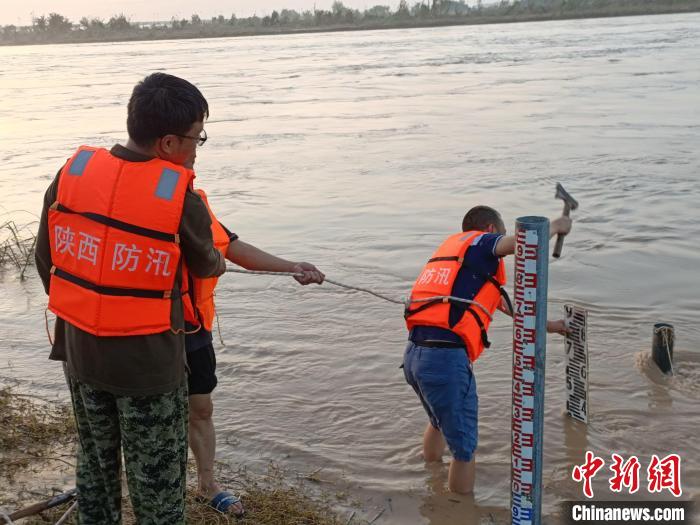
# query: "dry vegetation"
{"points": [[30, 428], [17, 245]]}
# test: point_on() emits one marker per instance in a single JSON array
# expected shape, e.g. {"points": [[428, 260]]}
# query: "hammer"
{"points": [[569, 204]]}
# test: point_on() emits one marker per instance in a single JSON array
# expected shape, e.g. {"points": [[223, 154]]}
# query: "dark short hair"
{"points": [[479, 218], [162, 104]]}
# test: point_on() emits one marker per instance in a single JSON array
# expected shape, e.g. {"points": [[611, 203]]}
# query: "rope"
{"points": [[405, 302], [183, 331], [329, 281], [64, 518], [218, 326], [48, 332], [453, 298], [6, 517], [666, 339]]}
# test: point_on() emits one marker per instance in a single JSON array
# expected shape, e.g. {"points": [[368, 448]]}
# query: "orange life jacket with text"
{"points": [[203, 288], [114, 243], [435, 285]]}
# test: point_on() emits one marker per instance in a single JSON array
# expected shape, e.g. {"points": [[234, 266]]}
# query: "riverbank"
{"points": [[136, 32], [37, 453]]}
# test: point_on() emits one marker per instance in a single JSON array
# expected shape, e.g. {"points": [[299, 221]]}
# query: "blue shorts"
{"points": [[445, 384]]}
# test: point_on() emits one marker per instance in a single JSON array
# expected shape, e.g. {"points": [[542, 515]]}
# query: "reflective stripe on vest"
{"points": [[438, 279], [203, 288], [114, 243]]}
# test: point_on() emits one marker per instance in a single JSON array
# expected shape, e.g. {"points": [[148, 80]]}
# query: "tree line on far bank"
{"points": [[56, 28]]}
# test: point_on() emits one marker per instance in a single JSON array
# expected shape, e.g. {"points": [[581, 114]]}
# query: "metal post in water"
{"points": [[662, 347], [529, 350]]}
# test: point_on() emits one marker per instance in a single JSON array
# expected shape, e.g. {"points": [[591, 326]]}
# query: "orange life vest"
{"points": [[436, 284], [114, 243], [203, 289]]}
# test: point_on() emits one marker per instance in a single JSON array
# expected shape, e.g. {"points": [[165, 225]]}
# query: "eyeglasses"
{"points": [[200, 140]]}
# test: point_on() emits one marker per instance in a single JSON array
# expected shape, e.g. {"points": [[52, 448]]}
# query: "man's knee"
{"points": [[201, 407]]}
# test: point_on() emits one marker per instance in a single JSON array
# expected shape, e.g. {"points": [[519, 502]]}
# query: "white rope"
{"points": [[6, 517], [446, 298], [405, 302], [48, 332], [336, 283], [218, 327], [64, 518]]}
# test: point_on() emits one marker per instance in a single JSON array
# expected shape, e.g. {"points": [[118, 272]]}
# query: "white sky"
{"points": [[20, 13]]}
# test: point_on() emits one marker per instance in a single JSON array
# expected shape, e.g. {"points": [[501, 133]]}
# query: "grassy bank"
{"points": [[38, 440], [28, 430], [269, 500]]}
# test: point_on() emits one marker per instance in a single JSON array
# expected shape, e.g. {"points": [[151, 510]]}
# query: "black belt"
{"points": [[439, 344], [118, 292]]}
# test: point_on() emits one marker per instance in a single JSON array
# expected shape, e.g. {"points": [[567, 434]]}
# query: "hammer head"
{"points": [[564, 195]]}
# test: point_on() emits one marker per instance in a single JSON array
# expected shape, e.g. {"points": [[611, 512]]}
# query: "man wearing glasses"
{"points": [[115, 284], [114, 227]]}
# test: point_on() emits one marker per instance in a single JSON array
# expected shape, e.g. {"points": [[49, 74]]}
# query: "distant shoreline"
{"points": [[207, 31]]}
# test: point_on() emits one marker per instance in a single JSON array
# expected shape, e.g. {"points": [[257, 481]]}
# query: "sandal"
{"points": [[223, 501]]}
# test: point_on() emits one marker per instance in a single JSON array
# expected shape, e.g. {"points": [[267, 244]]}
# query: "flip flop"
{"points": [[223, 502]]}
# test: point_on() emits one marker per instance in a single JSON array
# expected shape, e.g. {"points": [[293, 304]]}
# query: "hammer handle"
{"points": [[560, 238]]}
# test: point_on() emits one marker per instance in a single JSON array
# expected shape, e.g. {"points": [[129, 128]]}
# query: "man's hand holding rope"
{"points": [[307, 273]]}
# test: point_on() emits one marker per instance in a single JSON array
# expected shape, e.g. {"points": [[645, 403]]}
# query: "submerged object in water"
{"points": [[662, 347]]}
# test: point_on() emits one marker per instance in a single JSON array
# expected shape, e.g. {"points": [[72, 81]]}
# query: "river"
{"points": [[361, 151]]}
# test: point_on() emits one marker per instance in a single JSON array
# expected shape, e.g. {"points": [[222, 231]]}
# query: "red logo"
{"points": [[662, 474], [587, 472], [665, 474], [625, 474]]}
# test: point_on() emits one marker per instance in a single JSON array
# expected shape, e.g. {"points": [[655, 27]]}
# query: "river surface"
{"points": [[360, 152]]}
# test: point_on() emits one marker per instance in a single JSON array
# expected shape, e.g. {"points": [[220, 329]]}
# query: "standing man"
{"points": [[202, 361], [116, 230], [447, 336]]}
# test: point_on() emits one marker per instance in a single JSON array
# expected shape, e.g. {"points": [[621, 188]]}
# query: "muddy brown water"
{"points": [[359, 152]]}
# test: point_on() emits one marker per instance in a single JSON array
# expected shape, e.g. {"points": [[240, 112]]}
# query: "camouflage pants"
{"points": [[152, 431]]}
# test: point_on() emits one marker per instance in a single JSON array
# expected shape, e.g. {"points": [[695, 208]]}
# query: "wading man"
{"points": [[445, 338]]}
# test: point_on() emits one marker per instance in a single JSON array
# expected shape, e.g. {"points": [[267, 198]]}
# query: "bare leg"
{"points": [[202, 439], [433, 444], [461, 476]]}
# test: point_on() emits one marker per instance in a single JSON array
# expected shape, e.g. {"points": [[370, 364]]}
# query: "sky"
{"points": [[22, 12]]}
